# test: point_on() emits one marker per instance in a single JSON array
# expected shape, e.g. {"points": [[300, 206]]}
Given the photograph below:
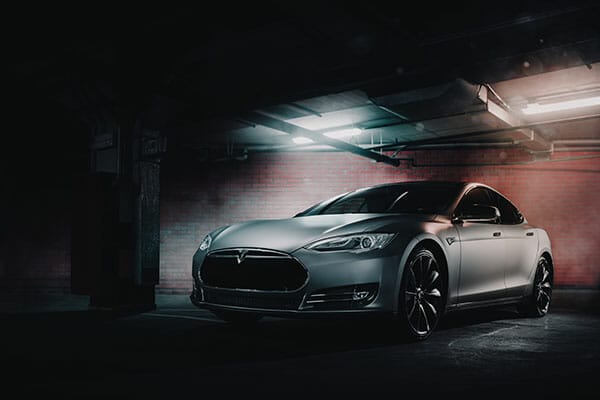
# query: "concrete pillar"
{"points": [[117, 225]]}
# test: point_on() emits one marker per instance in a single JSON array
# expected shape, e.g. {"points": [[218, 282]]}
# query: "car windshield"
{"points": [[407, 198]]}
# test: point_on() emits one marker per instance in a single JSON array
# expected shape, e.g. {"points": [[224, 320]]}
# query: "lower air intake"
{"points": [[268, 301]]}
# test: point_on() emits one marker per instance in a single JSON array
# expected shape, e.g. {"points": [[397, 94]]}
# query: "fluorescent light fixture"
{"points": [[536, 108], [328, 121], [302, 140], [342, 134]]}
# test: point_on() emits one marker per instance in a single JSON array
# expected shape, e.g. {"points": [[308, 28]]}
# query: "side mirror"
{"points": [[478, 213]]}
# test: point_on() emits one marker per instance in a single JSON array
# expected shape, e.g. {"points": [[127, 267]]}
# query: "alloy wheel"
{"points": [[543, 286], [423, 294]]}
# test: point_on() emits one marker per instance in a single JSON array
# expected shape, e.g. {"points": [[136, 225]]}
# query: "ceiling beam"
{"points": [[295, 130], [467, 135]]}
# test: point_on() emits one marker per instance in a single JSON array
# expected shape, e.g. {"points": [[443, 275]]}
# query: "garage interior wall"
{"points": [[197, 198], [558, 196]]}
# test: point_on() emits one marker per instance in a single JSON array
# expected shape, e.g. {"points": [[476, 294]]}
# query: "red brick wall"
{"points": [[558, 196]]}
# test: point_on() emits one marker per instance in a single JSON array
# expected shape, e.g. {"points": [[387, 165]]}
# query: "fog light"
{"points": [[360, 295], [342, 297]]}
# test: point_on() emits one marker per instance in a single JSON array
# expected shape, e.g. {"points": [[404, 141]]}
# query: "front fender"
{"points": [[544, 246], [446, 241]]}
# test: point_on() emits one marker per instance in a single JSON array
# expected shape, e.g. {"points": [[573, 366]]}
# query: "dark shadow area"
{"points": [[178, 350], [462, 319]]}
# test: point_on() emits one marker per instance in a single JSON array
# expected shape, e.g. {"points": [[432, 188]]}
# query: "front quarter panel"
{"points": [[544, 242], [444, 235]]}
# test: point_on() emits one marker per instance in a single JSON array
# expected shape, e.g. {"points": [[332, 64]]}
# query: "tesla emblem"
{"points": [[241, 256]]}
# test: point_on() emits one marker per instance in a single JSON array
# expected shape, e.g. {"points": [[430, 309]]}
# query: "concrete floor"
{"points": [[58, 346]]}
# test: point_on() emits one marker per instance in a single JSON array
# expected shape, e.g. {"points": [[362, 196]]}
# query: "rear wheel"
{"points": [[237, 317], [537, 304], [422, 294]]}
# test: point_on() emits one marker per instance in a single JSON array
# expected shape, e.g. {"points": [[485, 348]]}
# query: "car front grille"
{"points": [[270, 301], [253, 269]]}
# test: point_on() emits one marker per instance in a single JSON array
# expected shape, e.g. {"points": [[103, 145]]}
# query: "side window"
{"points": [[350, 205], [509, 215], [478, 196]]}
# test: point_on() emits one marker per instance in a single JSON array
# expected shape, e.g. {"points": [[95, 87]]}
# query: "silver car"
{"points": [[412, 250]]}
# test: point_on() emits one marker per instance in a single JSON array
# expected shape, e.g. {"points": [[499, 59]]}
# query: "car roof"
{"points": [[442, 184]]}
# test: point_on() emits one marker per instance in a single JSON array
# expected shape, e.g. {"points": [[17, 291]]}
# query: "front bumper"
{"points": [[338, 283]]}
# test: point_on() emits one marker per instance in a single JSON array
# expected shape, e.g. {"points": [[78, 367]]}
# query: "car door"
{"points": [[482, 252], [521, 247]]}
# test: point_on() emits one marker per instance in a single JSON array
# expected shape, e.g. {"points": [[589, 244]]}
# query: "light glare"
{"points": [[536, 108], [342, 134], [302, 140]]}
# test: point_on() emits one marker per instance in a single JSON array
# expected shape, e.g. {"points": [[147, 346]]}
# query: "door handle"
{"points": [[496, 234], [529, 234]]}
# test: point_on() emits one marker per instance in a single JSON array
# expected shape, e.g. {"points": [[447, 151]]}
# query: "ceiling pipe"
{"points": [[318, 147], [559, 145], [576, 149], [416, 164], [576, 142], [461, 145]]}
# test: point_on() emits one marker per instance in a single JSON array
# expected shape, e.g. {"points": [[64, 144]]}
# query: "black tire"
{"points": [[422, 295], [238, 318], [538, 302]]}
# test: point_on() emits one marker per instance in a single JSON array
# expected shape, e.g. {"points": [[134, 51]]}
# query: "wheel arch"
{"points": [[433, 244], [544, 250]]}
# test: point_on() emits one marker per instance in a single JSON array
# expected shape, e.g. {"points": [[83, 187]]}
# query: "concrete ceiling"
{"points": [[398, 76], [436, 113]]}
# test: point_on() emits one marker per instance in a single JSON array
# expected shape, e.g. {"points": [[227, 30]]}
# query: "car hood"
{"points": [[290, 234]]}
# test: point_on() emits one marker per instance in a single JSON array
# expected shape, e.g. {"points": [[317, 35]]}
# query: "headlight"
{"points": [[206, 243], [353, 243]]}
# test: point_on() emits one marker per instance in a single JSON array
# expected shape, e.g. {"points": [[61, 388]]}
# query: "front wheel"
{"points": [[422, 295], [537, 304]]}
